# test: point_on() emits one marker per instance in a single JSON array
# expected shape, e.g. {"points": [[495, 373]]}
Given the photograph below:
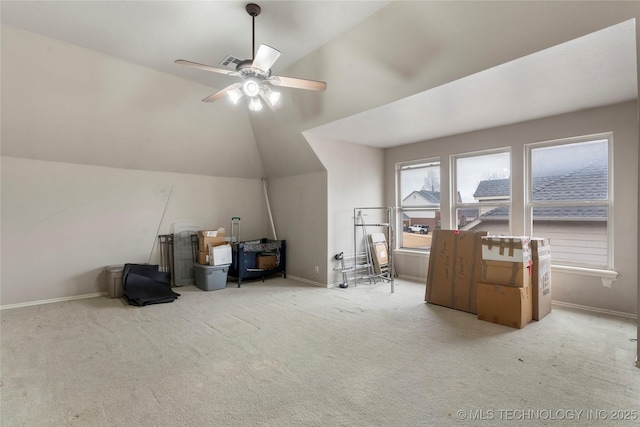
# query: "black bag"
{"points": [[143, 284]]}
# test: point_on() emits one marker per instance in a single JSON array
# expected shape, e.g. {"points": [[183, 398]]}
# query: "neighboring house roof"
{"points": [[468, 212], [589, 182], [492, 188], [430, 197], [586, 182], [554, 213]]}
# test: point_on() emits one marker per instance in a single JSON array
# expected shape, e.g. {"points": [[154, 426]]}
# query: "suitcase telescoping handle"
{"points": [[235, 229]]}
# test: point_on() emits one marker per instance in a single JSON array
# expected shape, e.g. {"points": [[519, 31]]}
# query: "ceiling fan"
{"points": [[256, 75]]}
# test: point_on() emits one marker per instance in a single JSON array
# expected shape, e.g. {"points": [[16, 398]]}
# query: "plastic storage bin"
{"points": [[114, 281], [211, 277]]}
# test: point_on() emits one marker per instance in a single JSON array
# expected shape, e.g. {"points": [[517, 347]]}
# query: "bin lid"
{"points": [[207, 266]]}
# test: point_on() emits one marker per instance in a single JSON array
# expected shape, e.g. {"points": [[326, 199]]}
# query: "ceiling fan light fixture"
{"points": [[235, 95], [255, 105], [251, 87], [274, 97], [255, 74]]}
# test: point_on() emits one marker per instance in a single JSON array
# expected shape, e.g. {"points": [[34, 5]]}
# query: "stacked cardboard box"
{"points": [[504, 295], [454, 269], [541, 277], [212, 247]]}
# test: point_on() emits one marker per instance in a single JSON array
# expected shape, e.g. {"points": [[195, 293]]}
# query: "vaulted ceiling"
{"points": [[397, 71]]}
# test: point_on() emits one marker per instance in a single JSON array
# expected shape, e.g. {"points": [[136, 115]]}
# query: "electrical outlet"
{"points": [[317, 270]]}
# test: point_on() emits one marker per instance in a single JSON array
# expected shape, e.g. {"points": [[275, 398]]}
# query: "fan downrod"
{"points": [[253, 9]]}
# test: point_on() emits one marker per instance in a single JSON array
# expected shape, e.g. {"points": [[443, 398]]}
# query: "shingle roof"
{"points": [[548, 213], [492, 188], [588, 182], [431, 196]]}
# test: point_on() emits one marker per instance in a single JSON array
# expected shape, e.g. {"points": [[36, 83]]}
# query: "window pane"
{"points": [[494, 219], [420, 198], [482, 179], [417, 228], [576, 177], [420, 185], [570, 172], [578, 234]]}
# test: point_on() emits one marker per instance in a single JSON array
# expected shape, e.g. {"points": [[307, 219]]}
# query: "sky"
{"points": [[470, 171]]}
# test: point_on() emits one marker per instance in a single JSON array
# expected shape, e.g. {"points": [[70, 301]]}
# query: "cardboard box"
{"points": [[540, 247], [210, 238], [220, 255], [541, 276], [266, 261], [455, 265], [203, 257], [541, 284], [504, 305], [516, 274], [506, 248]]}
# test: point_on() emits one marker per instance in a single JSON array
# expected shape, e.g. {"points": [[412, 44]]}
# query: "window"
{"points": [[419, 201], [569, 199], [481, 198]]}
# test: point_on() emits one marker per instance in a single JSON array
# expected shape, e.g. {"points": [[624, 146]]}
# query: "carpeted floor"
{"points": [[282, 353]]}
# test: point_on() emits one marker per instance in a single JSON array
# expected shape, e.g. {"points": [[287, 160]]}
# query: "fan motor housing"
{"points": [[246, 69]]}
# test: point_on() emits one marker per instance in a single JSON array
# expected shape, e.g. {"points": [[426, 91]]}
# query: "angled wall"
{"points": [[64, 103], [99, 155]]}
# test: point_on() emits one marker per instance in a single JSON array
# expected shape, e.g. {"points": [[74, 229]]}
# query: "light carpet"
{"points": [[282, 353]]}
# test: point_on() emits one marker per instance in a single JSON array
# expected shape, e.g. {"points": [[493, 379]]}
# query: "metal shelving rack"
{"points": [[359, 223]]}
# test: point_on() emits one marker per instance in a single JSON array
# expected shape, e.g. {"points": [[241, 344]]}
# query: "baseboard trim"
{"points": [[52, 300], [307, 281], [595, 309], [412, 278]]}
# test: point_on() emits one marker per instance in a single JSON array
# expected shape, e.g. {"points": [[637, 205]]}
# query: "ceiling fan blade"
{"points": [[298, 83], [265, 58], [206, 67], [222, 92]]}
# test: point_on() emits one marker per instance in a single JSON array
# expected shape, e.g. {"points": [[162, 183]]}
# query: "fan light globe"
{"points": [[274, 97], [251, 87], [255, 104], [235, 95]]}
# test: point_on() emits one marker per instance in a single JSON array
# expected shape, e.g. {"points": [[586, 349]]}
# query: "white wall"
{"points": [[298, 204], [355, 179], [63, 223], [92, 146], [64, 103], [571, 288]]}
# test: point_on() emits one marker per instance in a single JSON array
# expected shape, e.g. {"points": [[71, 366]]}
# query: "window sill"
{"points": [[412, 252], [607, 276]]}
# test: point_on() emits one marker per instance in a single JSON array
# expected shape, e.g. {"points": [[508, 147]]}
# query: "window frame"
{"points": [[608, 203], [453, 179], [400, 209]]}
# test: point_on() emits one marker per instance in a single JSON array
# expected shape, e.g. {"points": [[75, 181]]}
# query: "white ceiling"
{"points": [[594, 70], [156, 33]]}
